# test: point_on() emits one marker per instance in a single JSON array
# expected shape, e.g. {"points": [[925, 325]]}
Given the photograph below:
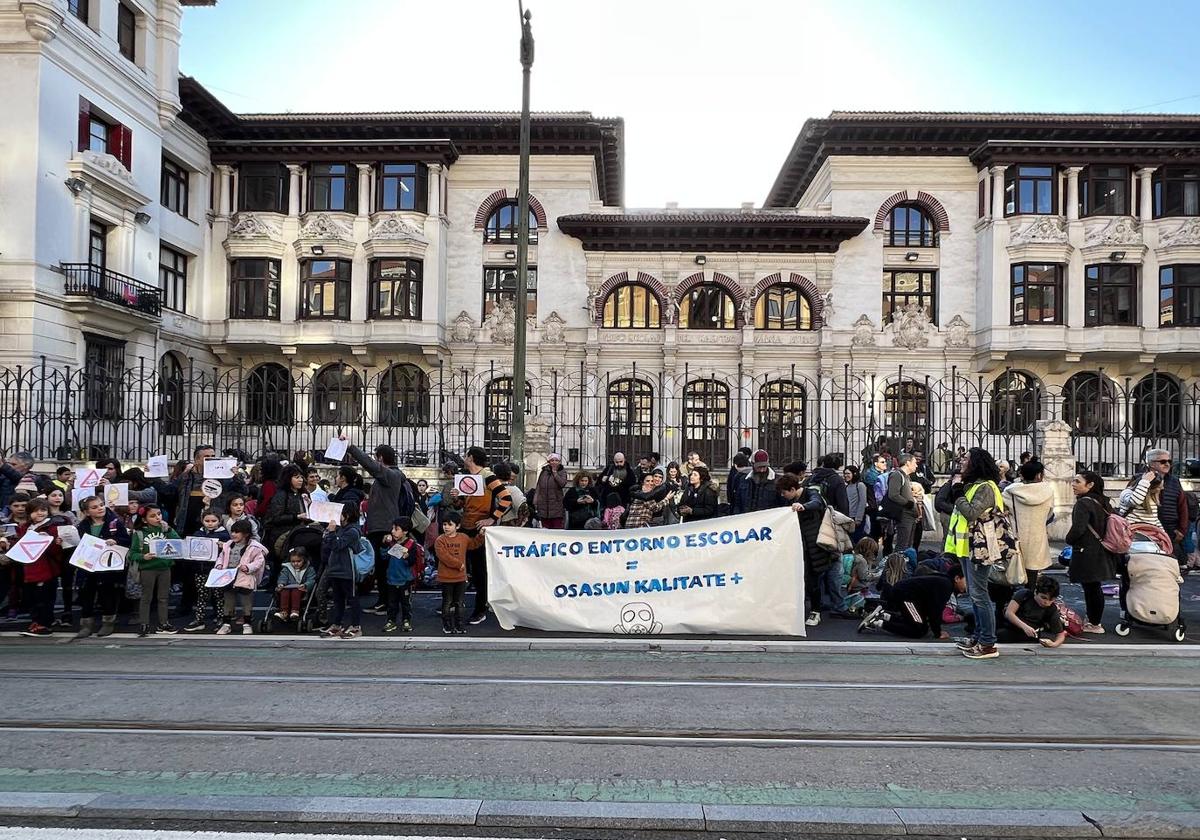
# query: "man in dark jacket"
{"points": [[914, 606], [738, 472], [618, 477], [757, 491], [828, 477], [1172, 505], [810, 509], [386, 501], [17, 471]]}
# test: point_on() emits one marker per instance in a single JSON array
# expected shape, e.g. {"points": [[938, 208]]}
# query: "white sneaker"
{"points": [[224, 630], [814, 618], [247, 630], [1097, 629]]}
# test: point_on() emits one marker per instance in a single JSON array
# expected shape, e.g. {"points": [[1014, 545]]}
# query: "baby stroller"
{"points": [[307, 537], [1149, 590]]}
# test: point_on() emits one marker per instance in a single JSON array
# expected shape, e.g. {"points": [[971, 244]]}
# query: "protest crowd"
{"points": [[899, 545]]}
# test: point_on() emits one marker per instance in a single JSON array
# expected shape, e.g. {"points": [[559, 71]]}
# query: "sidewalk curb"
{"points": [[551, 643], [612, 816]]}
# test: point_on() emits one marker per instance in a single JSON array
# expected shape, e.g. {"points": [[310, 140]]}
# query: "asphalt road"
{"points": [[852, 729]]}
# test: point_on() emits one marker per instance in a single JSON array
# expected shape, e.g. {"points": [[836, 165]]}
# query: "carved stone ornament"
{"points": [[502, 322], [827, 306], [109, 164], [594, 308], [1048, 229], [957, 332], [1119, 231], [1187, 233], [864, 332], [671, 312], [42, 20], [324, 226], [554, 329], [394, 228], [463, 330], [251, 226], [910, 326]]}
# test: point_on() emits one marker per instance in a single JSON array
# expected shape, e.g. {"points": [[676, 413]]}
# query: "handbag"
{"points": [[835, 531], [420, 520]]}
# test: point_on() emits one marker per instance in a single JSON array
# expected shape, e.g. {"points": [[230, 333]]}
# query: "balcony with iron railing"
{"points": [[99, 283]]}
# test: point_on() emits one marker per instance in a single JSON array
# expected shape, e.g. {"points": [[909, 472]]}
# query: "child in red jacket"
{"points": [[41, 576]]}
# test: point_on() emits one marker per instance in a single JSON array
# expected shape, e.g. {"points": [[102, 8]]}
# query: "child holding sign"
{"points": [[248, 556], [211, 528], [154, 572], [99, 589], [41, 576]]}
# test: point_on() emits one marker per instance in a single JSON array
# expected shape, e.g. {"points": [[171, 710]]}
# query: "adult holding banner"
{"points": [[99, 590], [387, 499], [736, 575], [480, 512]]}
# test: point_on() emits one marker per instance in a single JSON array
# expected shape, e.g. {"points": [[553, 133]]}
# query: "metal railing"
{"points": [[94, 281], [45, 410]]}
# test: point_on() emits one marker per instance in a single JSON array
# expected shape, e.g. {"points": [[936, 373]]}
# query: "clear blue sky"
{"points": [[712, 93]]}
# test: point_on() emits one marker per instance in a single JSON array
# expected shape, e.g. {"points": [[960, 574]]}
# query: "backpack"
{"points": [[1070, 619], [363, 557], [880, 488], [992, 540], [407, 501], [1118, 536]]}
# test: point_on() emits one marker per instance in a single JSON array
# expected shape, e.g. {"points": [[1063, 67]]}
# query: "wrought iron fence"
{"points": [[54, 412]]}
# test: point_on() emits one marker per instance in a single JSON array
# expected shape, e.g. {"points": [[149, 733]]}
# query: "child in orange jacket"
{"points": [[450, 549]]}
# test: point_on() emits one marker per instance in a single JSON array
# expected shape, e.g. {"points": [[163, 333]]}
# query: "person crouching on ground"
{"points": [[296, 579], [450, 549], [1032, 616], [914, 606], [154, 572], [338, 546], [248, 556], [406, 561]]}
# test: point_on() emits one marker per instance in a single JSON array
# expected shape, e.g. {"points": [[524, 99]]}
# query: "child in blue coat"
{"points": [[406, 561]]}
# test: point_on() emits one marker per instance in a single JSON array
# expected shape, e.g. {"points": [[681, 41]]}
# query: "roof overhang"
{"points": [[711, 232]]}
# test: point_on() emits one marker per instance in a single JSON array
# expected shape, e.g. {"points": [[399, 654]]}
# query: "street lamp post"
{"points": [[522, 304]]}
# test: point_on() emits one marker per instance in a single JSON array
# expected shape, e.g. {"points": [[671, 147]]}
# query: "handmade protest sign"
{"points": [[30, 547], [172, 549], [220, 578], [157, 467], [203, 549], [335, 450], [69, 537], [111, 559], [95, 555], [79, 494], [738, 575], [220, 467], [325, 512], [469, 485], [116, 495], [87, 477], [211, 488]]}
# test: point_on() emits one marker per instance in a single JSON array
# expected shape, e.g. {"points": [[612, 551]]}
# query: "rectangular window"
{"points": [[103, 135], [97, 244], [333, 186], [172, 278], [325, 289], [254, 289], [1037, 294], [263, 187], [1104, 191], [396, 289], [501, 284], [174, 187], [78, 8], [103, 377], [127, 31], [1179, 296], [403, 186], [901, 288], [1110, 296], [1177, 191], [981, 200], [1029, 190]]}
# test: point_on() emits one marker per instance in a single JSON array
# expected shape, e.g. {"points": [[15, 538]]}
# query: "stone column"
{"points": [[1146, 194], [1073, 193], [224, 199], [1054, 448], [987, 203], [294, 189], [997, 191], [365, 174], [434, 198], [537, 447]]}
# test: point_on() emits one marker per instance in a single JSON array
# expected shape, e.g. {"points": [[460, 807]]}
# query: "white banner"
{"points": [[736, 575]]}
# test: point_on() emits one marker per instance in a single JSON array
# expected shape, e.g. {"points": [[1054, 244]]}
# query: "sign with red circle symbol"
{"points": [[468, 485]]}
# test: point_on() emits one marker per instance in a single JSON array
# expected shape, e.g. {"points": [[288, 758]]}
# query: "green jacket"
{"points": [[141, 539]]}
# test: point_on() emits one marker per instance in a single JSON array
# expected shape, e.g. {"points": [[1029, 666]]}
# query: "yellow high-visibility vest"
{"points": [[957, 542]]}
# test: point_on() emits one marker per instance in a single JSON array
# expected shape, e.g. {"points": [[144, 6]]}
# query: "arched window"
{"points": [[1016, 404], [269, 396], [1157, 406], [783, 307], [337, 395], [706, 420], [909, 226], [502, 224], [404, 396], [632, 306], [707, 307], [1089, 405], [498, 414], [782, 420], [630, 418], [906, 412], [171, 397]]}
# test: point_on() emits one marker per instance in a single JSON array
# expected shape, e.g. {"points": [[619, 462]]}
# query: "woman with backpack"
{"points": [[981, 478], [1091, 563]]}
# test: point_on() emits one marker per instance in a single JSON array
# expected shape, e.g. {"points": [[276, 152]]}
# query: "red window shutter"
{"points": [[85, 124], [126, 156]]}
